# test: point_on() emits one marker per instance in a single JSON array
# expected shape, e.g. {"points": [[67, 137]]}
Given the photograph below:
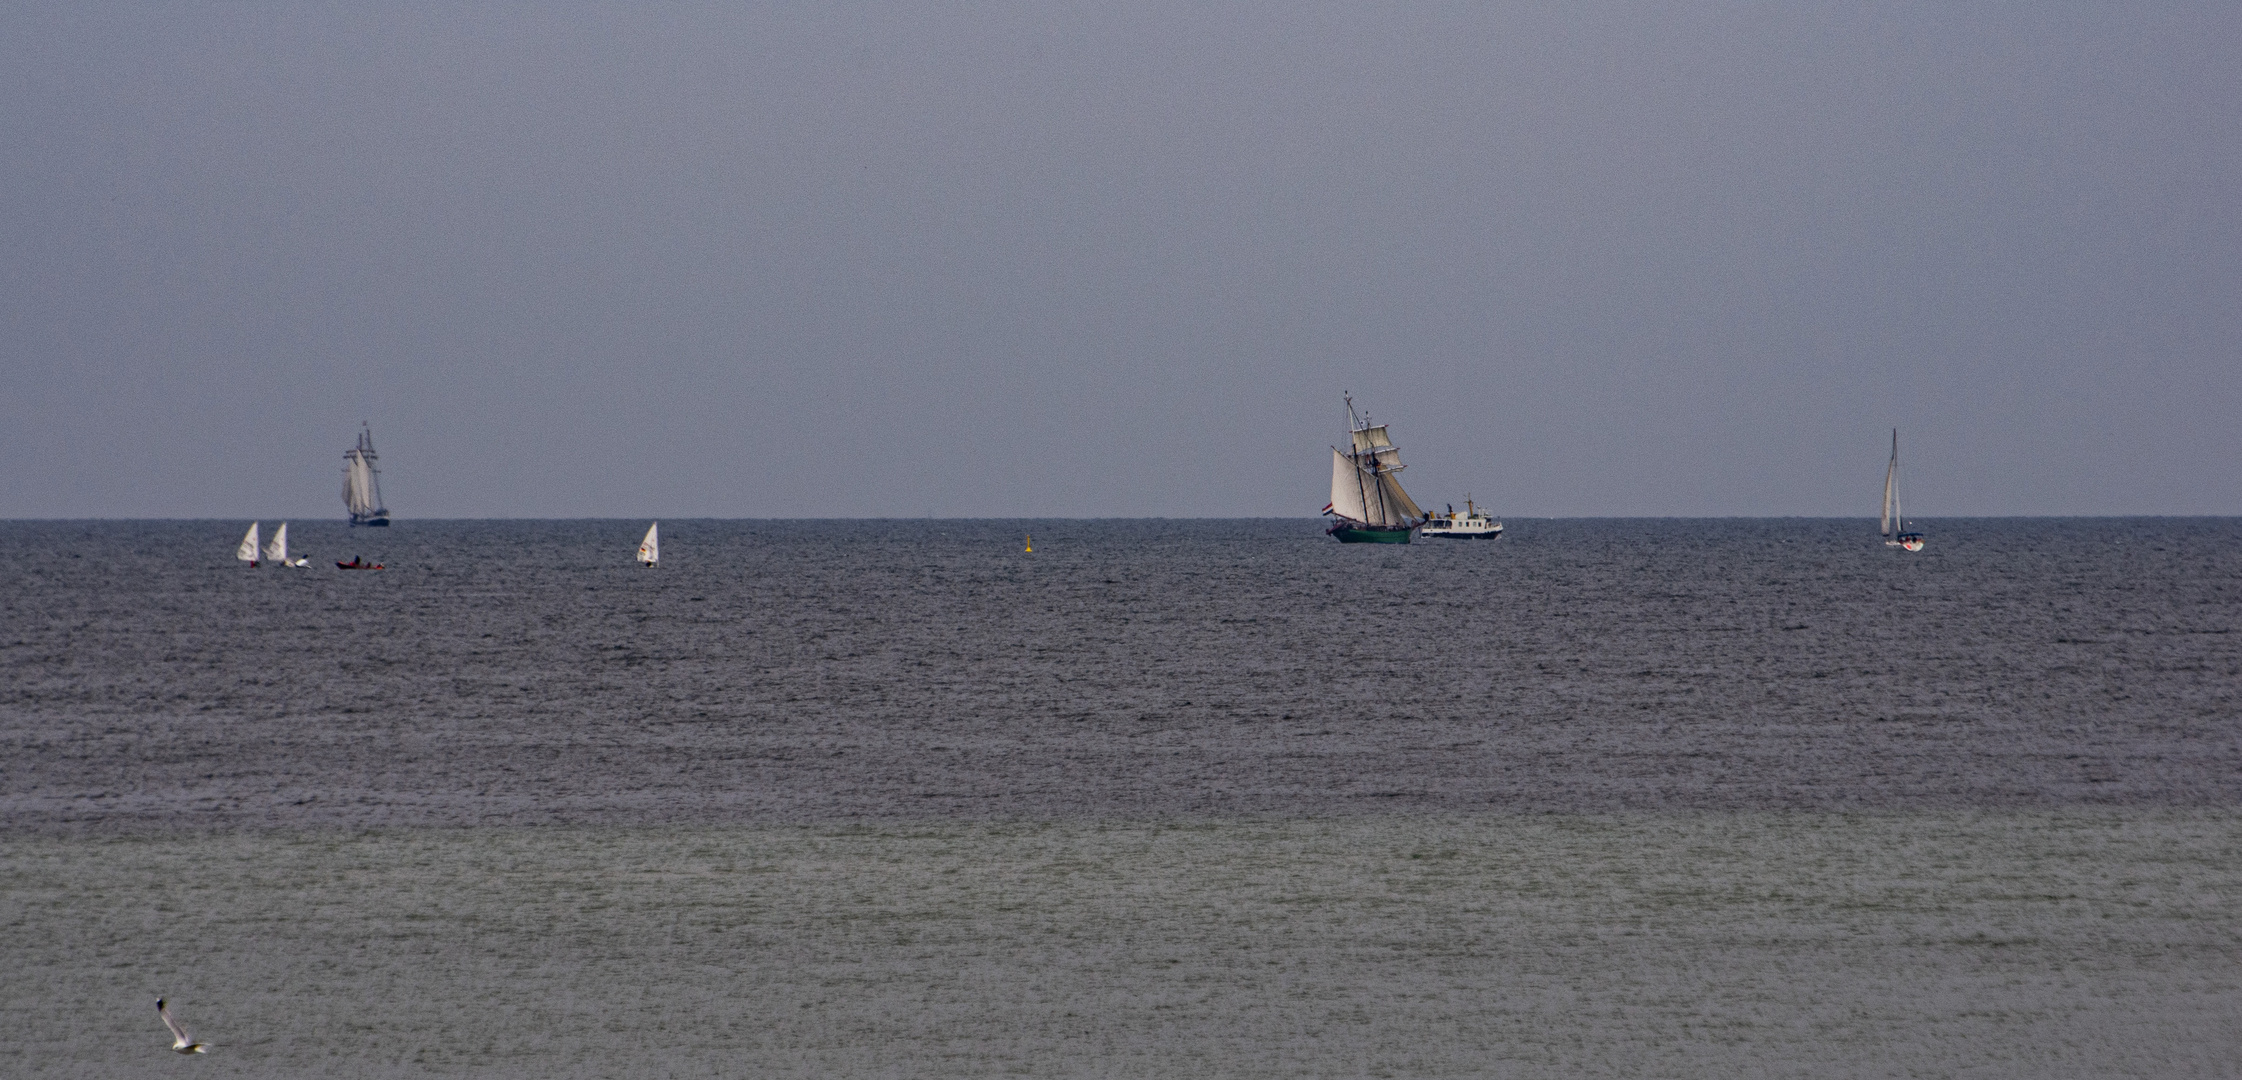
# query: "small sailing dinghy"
{"points": [[650, 549], [276, 549], [1896, 530], [1367, 503], [247, 552]]}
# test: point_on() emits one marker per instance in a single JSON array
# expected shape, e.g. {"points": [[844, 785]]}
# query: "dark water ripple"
{"points": [[528, 672]]}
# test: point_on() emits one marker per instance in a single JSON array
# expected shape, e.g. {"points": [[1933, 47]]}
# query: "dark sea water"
{"points": [[530, 672], [1160, 798]]}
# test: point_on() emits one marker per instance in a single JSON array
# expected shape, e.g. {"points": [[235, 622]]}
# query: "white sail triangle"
{"points": [[650, 549], [1891, 489], [276, 549], [1894, 527], [1347, 487], [247, 552]]}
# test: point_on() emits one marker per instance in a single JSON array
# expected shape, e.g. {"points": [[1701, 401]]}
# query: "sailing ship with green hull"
{"points": [[1367, 504]]}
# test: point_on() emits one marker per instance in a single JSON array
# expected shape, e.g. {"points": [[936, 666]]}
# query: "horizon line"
{"points": [[1261, 517]]}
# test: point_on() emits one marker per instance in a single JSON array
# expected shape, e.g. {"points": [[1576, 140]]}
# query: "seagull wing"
{"points": [[177, 1032]]}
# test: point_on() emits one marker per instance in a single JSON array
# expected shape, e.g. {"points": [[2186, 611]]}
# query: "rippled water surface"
{"points": [[2021, 944], [527, 672], [1602, 798]]}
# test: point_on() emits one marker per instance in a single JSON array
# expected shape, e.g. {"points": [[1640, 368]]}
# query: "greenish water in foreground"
{"points": [[1967, 944]]}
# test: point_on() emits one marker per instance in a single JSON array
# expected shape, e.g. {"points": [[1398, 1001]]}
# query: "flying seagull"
{"points": [[180, 1043]]}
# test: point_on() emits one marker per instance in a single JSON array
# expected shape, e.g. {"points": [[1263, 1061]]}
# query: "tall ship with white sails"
{"points": [[1367, 504], [362, 482]]}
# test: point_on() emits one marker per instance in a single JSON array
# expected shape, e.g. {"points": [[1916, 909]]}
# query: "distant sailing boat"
{"points": [[1895, 528], [1367, 502], [247, 552], [361, 482], [650, 549]]}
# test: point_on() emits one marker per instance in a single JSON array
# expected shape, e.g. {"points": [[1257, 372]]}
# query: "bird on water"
{"points": [[180, 1041]]}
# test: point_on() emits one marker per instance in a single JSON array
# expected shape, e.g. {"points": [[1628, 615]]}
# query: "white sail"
{"points": [[1372, 443], [1891, 522], [358, 486], [1347, 487], [1895, 527], [1890, 475], [1399, 506], [276, 549], [1364, 489], [247, 552], [1362, 493], [362, 482], [650, 549]]}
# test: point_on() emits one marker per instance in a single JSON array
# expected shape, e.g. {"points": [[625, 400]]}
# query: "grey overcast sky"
{"points": [[1100, 259]]}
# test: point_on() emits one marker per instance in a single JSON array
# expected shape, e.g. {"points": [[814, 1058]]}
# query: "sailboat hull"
{"points": [[380, 520], [1349, 532]]}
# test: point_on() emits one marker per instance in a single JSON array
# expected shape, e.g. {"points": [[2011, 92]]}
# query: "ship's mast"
{"points": [[373, 475], [1354, 453]]}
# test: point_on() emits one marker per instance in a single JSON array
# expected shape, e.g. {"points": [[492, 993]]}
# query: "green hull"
{"points": [[1361, 534]]}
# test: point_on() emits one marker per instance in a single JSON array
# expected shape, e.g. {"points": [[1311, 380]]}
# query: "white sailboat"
{"points": [[1896, 530], [276, 549], [650, 549], [247, 552], [1366, 497], [362, 482]]}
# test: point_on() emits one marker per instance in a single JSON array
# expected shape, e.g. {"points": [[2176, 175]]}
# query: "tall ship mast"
{"points": [[1367, 504], [362, 482]]}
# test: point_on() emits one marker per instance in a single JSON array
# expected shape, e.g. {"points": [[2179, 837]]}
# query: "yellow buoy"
{"points": [[1031, 543]]}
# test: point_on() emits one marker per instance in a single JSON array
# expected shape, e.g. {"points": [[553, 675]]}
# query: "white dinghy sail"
{"points": [[276, 549], [247, 552], [650, 549]]}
